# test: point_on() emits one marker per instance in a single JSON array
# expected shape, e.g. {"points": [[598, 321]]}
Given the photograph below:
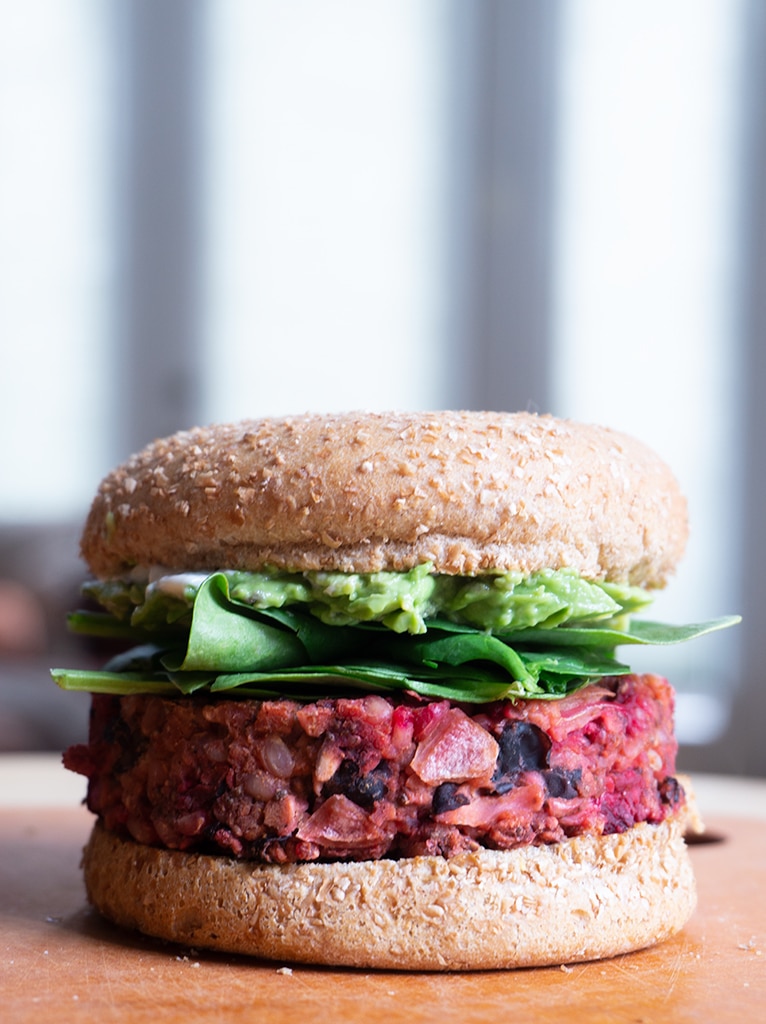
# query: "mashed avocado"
{"points": [[403, 601]]}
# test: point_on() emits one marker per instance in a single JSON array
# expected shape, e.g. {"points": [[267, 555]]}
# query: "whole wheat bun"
{"points": [[468, 491], [583, 899]]}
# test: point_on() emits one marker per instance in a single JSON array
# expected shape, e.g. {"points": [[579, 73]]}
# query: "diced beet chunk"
{"points": [[455, 749]]}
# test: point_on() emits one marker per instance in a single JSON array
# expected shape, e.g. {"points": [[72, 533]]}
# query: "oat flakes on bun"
{"points": [[369, 710]]}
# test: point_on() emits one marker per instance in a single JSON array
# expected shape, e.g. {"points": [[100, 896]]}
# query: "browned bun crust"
{"points": [[583, 899], [468, 491]]}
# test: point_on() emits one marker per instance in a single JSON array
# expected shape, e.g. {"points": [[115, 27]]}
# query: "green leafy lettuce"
{"points": [[308, 635]]}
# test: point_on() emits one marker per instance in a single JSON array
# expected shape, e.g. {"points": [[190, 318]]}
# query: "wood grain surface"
{"points": [[60, 962]]}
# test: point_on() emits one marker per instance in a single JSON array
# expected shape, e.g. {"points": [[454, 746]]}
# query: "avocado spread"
{"points": [[402, 601]]}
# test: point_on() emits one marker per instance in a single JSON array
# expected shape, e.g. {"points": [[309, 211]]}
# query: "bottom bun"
{"points": [[583, 899]]}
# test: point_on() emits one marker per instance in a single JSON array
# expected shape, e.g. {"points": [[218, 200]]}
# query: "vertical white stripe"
{"points": [[54, 261], [325, 175], [646, 303]]}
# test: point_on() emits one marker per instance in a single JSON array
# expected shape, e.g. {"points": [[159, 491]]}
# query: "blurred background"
{"points": [[211, 210]]}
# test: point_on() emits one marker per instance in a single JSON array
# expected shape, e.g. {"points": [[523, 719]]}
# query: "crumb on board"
{"points": [[186, 960], [284, 970], [751, 946]]}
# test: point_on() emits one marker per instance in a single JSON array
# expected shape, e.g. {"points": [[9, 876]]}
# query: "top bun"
{"points": [[470, 492]]}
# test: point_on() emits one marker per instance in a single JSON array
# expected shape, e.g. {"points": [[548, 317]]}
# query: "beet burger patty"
{"points": [[369, 709]]}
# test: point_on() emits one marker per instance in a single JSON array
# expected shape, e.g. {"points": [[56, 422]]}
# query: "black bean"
{"points": [[561, 783], [503, 784], [523, 748], [671, 791], [447, 798], [362, 789]]}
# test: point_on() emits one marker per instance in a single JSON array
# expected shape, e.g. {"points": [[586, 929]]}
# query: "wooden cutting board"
{"points": [[60, 962]]}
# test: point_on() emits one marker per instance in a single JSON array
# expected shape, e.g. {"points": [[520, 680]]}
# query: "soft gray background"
{"points": [[210, 210]]}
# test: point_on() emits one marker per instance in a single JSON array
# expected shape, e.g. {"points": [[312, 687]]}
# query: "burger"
{"points": [[364, 706]]}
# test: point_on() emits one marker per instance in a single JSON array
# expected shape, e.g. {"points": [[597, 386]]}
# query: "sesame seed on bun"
{"points": [[469, 492]]}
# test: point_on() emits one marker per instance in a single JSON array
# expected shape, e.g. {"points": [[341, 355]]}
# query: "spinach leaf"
{"points": [[228, 646], [224, 639], [638, 631]]}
